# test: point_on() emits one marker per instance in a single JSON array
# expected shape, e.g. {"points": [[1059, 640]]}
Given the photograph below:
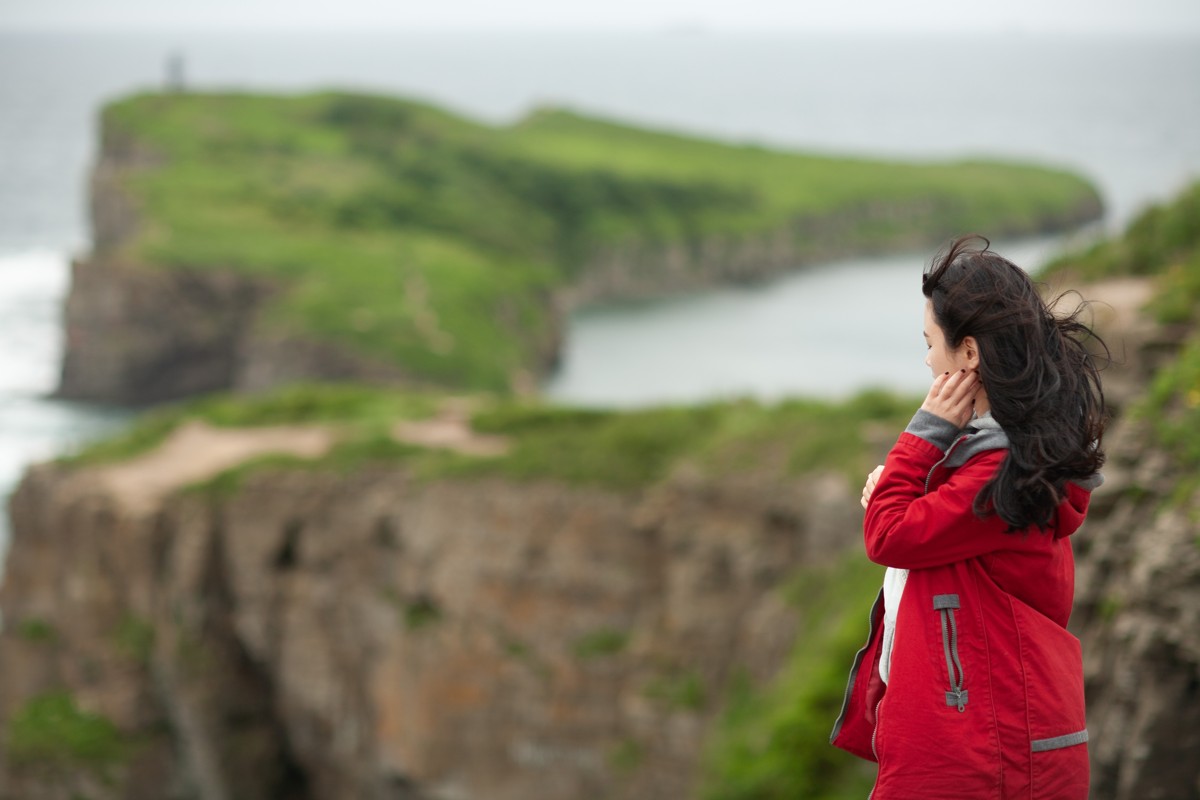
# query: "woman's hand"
{"points": [[869, 487], [952, 396]]}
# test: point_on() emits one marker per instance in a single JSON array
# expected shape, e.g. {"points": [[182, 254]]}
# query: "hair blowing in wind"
{"points": [[1040, 373]]}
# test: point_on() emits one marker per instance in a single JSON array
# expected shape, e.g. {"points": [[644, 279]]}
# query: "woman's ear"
{"points": [[970, 349]]}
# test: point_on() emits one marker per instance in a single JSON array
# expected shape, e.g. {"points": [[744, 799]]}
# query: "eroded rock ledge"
{"points": [[375, 636]]}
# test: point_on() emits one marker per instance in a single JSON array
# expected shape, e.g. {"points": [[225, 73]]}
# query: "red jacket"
{"points": [[985, 690]]}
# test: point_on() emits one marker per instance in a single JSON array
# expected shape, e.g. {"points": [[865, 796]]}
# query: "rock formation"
{"points": [[1137, 608], [374, 635]]}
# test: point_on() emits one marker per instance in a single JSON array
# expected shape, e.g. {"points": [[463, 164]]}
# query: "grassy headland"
{"points": [[409, 234]]}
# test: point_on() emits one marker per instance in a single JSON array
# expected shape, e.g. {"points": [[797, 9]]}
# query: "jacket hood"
{"points": [[984, 433], [1074, 505], [981, 433]]}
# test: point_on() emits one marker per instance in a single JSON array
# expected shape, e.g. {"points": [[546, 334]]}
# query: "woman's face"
{"points": [[939, 357]]}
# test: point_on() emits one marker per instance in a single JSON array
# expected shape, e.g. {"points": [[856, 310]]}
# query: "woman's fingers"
{"points": [[869, 486], [938, 384], [963, 384], [952, 396]]}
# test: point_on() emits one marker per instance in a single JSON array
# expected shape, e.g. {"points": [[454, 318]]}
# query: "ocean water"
{"points": [[1121, 111]]}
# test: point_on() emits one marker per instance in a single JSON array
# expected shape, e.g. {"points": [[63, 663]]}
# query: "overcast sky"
{"points": [[1083, 16]]}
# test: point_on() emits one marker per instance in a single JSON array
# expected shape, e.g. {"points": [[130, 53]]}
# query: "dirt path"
{"points": [[197, 451], [450, 430], [1118, 302]]}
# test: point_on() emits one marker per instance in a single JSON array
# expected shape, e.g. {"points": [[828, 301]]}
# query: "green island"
{"points": [[451, 249]]}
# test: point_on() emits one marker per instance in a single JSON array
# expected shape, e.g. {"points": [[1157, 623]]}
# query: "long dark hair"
{"points": [[1040, 372]]}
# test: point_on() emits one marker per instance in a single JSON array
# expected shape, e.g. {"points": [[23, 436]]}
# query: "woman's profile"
{"points": [[970, 685]]}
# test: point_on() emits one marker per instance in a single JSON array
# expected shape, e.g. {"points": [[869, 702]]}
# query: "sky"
{"points": [[1032, 16]]}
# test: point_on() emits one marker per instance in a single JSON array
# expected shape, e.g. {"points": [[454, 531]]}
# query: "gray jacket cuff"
{"points": [[938, 432]]}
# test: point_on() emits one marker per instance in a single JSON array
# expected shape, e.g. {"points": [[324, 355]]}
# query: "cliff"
{"points": [[243, 242], [409, 626], [1138, 584]]}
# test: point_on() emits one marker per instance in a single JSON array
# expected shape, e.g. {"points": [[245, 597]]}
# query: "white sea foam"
{"points": [[33, 427], [32, 286]]}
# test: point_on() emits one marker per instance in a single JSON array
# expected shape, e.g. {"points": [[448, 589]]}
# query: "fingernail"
{"points": [[962, 370], [947, 373]]}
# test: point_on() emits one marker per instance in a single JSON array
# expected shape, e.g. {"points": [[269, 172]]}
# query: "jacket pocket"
{"points": [[945, 605], [1052, 665], [1060, 767]]}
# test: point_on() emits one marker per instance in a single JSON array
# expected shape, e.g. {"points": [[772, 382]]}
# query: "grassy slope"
{"points": [[773, 743], [626, 450], [429, 240], [1163, 243]]}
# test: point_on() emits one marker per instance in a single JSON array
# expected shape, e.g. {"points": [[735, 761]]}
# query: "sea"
{"points": [[1121, 111]]}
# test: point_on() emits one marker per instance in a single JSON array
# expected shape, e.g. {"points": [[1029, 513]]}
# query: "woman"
{"points": [[970, 685]]}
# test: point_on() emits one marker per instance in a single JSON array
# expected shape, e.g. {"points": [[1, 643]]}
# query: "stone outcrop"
{"points": [[137, 336], [315, 635], [1137, 607]]}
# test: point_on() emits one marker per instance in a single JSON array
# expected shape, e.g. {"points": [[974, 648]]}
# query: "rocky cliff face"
{"points": [[375, 636], [1138, 589]]}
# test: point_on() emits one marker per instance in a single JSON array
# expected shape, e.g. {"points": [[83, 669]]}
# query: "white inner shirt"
{"points": [[893, 587]]}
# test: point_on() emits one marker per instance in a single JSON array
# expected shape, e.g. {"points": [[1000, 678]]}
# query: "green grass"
{"points": [[773, 741], [51, 731], [134, 638], [681, 690], [37, 631], [600, 643], [368, 409], [1161, 238], [627, 756], [414, 236], [421, 613], [1172, 407], [633, 449], [621, 450]]}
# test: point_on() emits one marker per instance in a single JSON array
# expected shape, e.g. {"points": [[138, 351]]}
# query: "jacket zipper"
{"points": [[945, 604], [943, 460], [856, 665], [875, 729]]}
